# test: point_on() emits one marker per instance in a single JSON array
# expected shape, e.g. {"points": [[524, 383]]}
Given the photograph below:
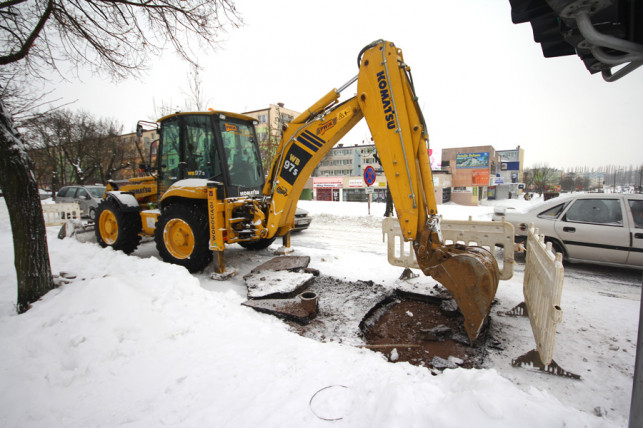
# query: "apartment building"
{"points": [[347, 160], [133, 152], [269, 128]]}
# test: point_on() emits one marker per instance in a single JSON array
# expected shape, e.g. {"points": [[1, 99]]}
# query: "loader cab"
{"points": [[217, 146]]}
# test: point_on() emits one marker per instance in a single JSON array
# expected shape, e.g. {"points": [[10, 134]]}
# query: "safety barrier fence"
{"points": [[58, 214]]}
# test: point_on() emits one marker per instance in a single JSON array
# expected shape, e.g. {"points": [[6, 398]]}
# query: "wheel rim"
{"points": [[178, 238], [108, 227]]}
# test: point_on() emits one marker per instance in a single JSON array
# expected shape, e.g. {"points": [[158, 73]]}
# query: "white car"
{"points": [[599, 228], [87, 197]]}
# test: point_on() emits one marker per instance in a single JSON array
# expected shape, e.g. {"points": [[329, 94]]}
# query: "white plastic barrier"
{"points": [[58, 214], [542, 288], [400, 253], [544, 273], [487, 234]]}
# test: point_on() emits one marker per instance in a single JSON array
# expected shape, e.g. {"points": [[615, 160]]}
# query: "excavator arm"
{"points": [[305, 142], [387, 100]]}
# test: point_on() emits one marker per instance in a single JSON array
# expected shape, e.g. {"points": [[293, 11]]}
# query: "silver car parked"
{"points": [[302, 219], [599, 228], [87, 197]]}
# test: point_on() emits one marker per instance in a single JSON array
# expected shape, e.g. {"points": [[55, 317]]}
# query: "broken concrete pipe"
{"points": [[309, 301]]}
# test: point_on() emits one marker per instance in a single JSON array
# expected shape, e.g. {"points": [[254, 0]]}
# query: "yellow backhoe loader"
{"points": [[209, 188]]}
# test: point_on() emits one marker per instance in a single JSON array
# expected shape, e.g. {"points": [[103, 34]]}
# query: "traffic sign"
{"points": [[369, 175]]}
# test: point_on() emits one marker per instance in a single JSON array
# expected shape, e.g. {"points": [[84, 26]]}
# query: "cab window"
{"points": [[170, 154], [201, 152], [241, 154]]}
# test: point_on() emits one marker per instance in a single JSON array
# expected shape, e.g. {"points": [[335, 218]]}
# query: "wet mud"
{"points": [[424, 329]]}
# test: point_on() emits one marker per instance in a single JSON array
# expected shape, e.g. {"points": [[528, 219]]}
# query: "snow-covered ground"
{"points": [[137, 342]]}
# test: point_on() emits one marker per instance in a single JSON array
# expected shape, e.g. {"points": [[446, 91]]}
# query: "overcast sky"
{"points": [[481, 80]]}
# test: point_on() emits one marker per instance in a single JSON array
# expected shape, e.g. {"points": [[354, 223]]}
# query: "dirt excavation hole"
{"points": [[422, 329]]}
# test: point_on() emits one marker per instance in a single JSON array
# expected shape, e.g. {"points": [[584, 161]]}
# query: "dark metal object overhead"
{"points": [[607, 35]]}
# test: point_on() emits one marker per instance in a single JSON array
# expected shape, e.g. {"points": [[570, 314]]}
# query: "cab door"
{"points": [[169, 162], [635, 210], [201, 152], [241, 155], [592, 229]]}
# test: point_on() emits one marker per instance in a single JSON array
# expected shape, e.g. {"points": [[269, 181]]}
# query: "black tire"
{"points": [[261, 244], [116, 228], [557, 247], [92, 214], [182, 236]]}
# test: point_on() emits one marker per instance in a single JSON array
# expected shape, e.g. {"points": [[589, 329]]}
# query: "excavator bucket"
{"points": [[387, 98], [467, 270], [471, 275]]}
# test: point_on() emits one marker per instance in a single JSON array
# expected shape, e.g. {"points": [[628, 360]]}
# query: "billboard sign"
{"points": [[472, 160], [509, 155]]}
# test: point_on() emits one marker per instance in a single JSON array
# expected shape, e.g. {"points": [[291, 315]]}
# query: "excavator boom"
{"points": [[386, 99]]}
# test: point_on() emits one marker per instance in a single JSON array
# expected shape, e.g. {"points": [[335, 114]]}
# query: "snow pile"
{"points": [[137, 342]]}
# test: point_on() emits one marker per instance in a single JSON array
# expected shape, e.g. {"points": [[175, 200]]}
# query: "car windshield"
{"points": [[96, 192]]}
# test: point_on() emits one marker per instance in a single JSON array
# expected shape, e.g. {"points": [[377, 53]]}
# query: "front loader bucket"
{"points": [[471, 275]]}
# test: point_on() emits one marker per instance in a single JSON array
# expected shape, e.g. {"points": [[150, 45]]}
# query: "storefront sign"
{"points": [[462, 190], [480, 177], [326, 182], [327, 185]]}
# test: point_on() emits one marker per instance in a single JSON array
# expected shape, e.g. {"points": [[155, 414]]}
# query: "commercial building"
{"points": [[340, 177], [481, 172]]}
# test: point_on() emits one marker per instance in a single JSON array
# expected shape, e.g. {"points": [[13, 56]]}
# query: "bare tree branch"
{"points": [[26, 44], [112, 36], [108, 36]]}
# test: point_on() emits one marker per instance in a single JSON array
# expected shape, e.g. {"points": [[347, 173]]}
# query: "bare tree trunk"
{"points": [[20, 190], [389, 203]]}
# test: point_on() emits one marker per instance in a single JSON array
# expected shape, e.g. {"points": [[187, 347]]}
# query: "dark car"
{"points": [[87, 198]]}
